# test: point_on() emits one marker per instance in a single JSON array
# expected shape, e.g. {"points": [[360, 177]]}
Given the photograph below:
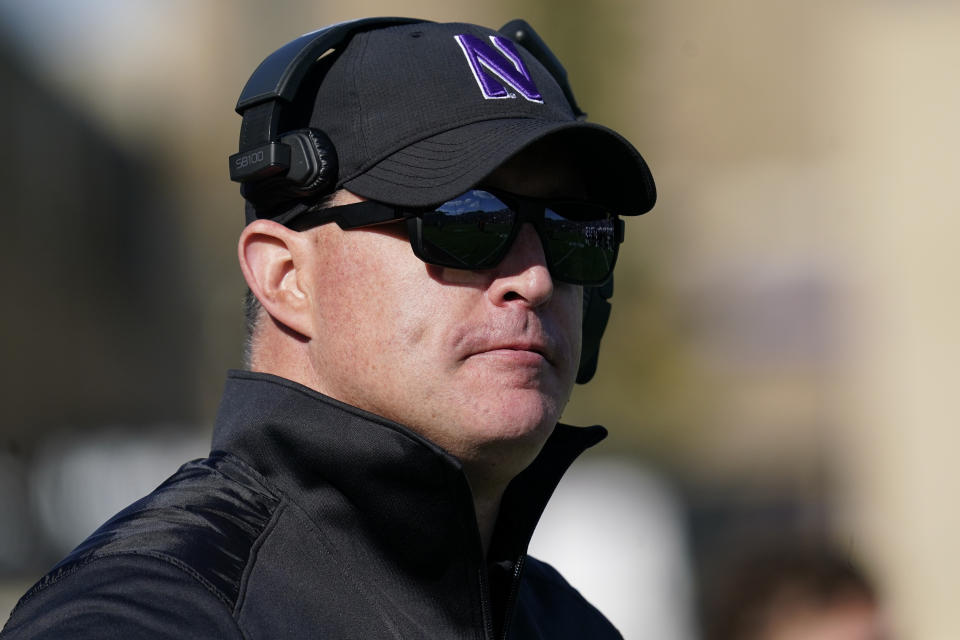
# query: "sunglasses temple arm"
{"points": [[352, 216]]}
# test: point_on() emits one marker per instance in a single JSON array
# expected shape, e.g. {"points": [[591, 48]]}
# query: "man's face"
{"points": [[480, 362]]}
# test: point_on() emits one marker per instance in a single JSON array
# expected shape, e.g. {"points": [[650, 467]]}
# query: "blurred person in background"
{"points": [[796, 591], [431, 232]]}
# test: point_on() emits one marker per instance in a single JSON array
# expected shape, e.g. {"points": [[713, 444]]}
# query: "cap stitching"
{"points": [[444, 146], [361, 43], [419, 136], [446, 174], [393, 164]]}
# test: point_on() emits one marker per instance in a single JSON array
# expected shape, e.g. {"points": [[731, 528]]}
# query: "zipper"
{"points": [[512, 598], [485, 607]]}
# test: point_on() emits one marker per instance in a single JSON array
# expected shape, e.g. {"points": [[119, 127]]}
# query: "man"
{"points": [[379, 468]]}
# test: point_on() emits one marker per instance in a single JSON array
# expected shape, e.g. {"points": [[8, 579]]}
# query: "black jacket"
{"points": [[314, 519]]}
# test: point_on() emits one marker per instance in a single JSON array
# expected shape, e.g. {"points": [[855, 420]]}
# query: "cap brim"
{"points": [[445, 165]]}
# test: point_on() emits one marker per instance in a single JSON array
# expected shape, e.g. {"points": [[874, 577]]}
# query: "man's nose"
{"points": [[523, 274]]}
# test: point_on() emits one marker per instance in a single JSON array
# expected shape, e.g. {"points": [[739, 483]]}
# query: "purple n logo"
{"points": [[496, 66]]}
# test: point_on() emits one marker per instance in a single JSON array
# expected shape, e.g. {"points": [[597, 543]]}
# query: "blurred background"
{"points": [[781, 363]]}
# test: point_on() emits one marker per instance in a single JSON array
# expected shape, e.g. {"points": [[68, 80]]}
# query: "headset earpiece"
{"points": [[313, 163], [596, 313]]}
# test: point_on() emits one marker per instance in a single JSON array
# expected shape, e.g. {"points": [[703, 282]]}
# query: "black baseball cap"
{"points": [[419, 113]]}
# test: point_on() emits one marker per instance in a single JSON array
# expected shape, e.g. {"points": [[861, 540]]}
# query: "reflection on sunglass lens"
{"points": [[579, 250], [471, 232], [475, 231]]}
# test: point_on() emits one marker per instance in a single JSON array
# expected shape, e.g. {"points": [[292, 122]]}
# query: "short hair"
{"points": [[251, 319]]}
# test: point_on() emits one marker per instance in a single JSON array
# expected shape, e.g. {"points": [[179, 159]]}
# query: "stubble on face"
{"points": [[425, 346]]}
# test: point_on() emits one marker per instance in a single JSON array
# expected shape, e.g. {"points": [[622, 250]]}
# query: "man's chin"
{"points": [[517, 371], [517, 413], [508, 441]]}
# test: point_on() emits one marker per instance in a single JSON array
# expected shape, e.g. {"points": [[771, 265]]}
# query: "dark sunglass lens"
{"points": [[579, 249], [469, 232]]}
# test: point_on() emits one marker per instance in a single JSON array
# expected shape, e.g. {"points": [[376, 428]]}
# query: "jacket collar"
{"points": [[411, 494]]}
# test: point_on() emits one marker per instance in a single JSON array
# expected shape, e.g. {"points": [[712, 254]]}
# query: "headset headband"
{"points": [[274, 85]]}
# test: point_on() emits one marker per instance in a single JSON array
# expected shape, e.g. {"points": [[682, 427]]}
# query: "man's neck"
{"points": [[489, 478], [487, 508]]}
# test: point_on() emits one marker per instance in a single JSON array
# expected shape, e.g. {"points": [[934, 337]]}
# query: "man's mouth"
{"points": [[529, 352]]}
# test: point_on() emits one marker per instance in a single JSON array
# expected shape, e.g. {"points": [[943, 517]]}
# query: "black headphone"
{"points": [[280, 161]]}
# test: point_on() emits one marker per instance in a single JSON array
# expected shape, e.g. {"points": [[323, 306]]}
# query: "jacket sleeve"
{"points": [[122, 596]]}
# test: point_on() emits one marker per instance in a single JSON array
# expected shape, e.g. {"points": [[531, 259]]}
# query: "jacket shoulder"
{"points": [[120, 597], [202, 525], [549, 607]]}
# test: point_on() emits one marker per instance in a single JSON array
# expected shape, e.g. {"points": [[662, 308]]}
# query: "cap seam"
{"points": [[447, 174], [410, 152], [375, 170], [419, 137], [441, 170], [355, 76]]}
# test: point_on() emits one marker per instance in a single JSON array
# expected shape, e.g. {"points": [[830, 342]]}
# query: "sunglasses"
{"points": [[476, 230]]}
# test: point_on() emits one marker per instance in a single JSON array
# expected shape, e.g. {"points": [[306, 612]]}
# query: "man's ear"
{"points": [[269, 258]]}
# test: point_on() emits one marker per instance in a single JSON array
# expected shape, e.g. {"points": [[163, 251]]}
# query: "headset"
{"points": [[279, 160]]}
